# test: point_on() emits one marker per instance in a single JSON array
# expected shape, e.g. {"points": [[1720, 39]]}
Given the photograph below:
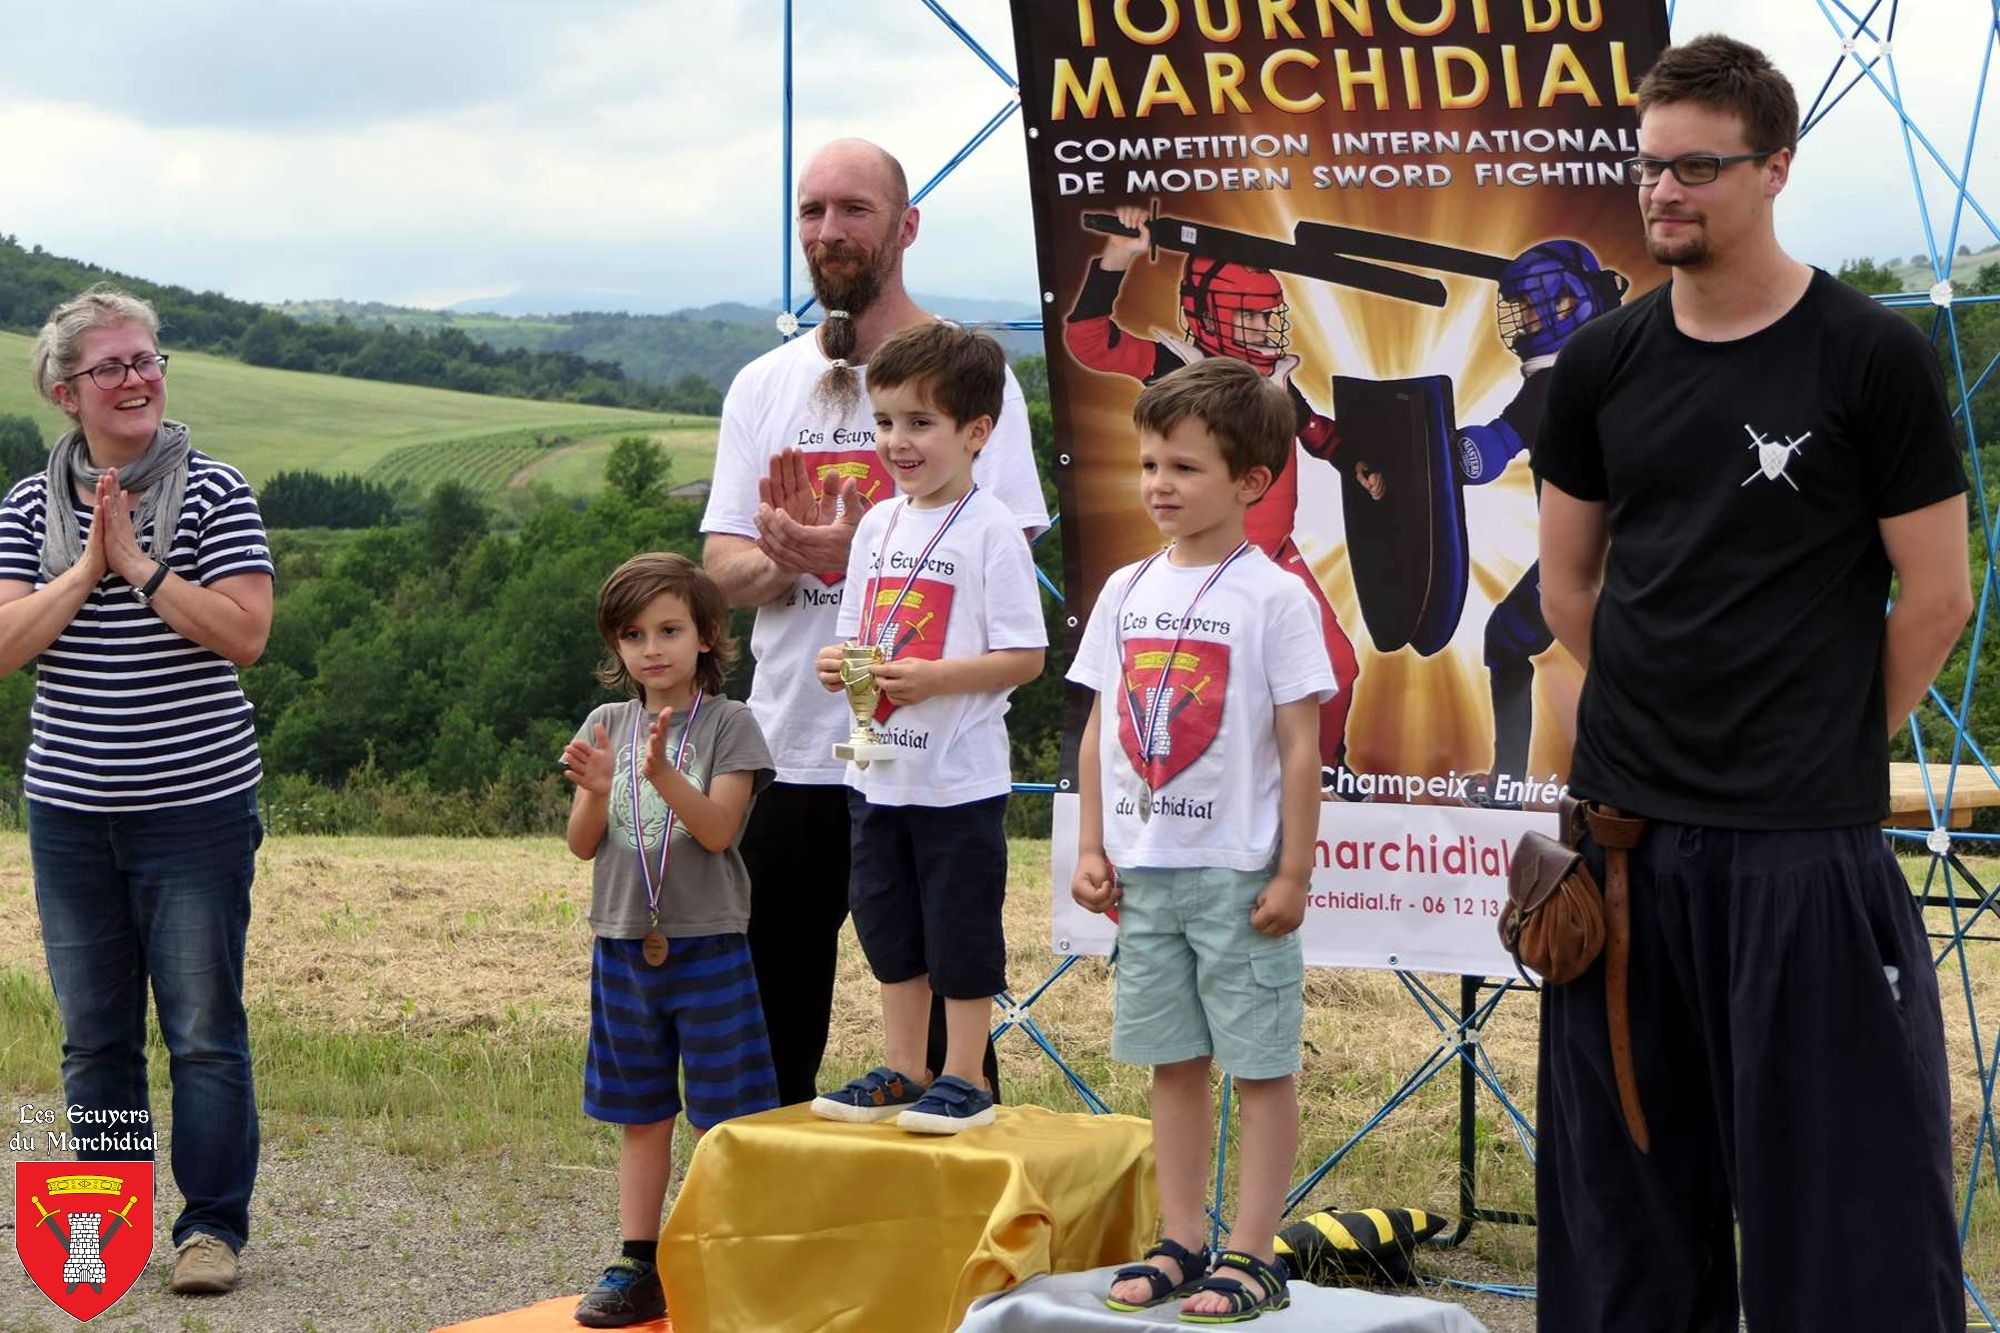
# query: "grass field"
{"points": [[268, 421], [1964, 268], [578, 468], [429, 997]]}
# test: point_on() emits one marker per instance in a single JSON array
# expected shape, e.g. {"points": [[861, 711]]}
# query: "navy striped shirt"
{"points": [[128, 714]]}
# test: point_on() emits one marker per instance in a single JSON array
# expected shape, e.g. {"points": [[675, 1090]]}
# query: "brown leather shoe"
{"points": [[204, 1265]]}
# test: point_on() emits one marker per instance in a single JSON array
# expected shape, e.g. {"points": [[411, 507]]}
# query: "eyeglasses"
{"points": [[151, 369], [1688, 168]]}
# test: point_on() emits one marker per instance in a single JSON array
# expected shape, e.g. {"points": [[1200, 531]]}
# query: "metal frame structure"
{"points": [[1867, 57]]}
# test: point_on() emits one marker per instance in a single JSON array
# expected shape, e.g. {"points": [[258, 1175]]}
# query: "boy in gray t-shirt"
{"points": [[708, 893], [664, 781]]}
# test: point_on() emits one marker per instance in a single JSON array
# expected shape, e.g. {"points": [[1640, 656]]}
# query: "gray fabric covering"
{"points": [[1074, 1303]]}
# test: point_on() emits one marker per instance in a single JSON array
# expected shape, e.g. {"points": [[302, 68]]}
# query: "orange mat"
{"points": [[554, 1316]]}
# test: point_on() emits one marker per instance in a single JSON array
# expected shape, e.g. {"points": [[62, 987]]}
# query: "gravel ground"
{"points": [[355, 1238], [351, 1237]]}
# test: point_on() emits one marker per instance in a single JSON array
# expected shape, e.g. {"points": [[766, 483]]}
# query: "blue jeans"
{"points": [[163, 894]]}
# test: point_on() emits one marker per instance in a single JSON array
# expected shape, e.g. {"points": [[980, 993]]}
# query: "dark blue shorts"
{"points": [[697, 1014], [926, 887]]}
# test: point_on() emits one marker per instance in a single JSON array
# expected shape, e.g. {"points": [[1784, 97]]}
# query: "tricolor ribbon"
{"points": [[655, 884], [1146, 737], [871, 625]]}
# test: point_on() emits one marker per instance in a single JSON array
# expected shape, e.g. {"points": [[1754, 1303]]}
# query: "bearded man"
{"points": [[795, 468]]}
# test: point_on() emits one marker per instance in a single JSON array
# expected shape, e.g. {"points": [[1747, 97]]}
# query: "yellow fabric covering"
{"points": [[787, 1222]]}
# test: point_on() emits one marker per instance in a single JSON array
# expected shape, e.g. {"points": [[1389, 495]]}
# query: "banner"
{"points": [[1398, 212]]}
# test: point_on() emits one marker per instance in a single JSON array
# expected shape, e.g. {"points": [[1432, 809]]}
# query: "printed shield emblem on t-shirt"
{"points": [[1181, 700], [864, 467], [1775, 452], [914, 629]]}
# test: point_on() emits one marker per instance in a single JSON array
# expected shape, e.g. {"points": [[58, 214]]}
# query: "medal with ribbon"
{"points": [[654, 945], [1149, 725]]}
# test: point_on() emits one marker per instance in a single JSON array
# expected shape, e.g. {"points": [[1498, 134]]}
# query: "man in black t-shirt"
{"points": [[1733, 468]]}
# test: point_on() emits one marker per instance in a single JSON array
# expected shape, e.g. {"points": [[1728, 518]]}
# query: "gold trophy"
{"points": [[863, 696]]}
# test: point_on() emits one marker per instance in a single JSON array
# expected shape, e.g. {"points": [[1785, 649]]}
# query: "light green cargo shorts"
{"points": [[1195, 978]]}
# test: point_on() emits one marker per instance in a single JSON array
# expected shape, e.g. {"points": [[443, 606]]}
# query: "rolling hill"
{"points": [[269, 421], [712, 342], [1915, 273]]}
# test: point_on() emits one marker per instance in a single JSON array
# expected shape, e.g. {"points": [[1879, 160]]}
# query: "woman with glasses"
{"points": [[135, 579]]}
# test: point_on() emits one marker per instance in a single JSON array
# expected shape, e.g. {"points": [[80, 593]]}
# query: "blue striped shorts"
{"points": [[697, 1015]]}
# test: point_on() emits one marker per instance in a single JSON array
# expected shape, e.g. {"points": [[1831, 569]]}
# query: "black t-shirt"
{"points": [[1736, 656]]}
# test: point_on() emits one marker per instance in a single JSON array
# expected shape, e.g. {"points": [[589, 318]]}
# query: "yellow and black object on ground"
{"points": [[1368, 1247]]}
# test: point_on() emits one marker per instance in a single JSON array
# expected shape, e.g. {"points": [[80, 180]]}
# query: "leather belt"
{"points": [[1617, 833]]}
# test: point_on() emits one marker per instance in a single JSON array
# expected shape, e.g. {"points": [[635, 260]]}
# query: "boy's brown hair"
{"points": [[960, 372], [638, 581], [1249, 416], [1723, 74]]}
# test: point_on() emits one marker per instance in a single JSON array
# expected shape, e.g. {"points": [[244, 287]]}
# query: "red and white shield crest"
{"points": [[84, 1230], [1190, 689], [870, 477], [914, 629]]}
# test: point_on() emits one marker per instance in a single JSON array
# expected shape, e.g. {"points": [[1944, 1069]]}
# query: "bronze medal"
{"points": [[654, 947]]}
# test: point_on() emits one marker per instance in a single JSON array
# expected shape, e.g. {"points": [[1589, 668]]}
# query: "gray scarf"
{"points": [[159, 478]]}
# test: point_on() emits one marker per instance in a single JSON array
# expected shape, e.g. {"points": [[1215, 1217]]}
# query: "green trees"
{"points": [[638, 469], [426, 676], [22, 449], [311, 500]]}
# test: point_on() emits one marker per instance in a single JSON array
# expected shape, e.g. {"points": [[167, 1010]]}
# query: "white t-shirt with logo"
{"points": [[1252, 644], [769, 407], [975, 594]]}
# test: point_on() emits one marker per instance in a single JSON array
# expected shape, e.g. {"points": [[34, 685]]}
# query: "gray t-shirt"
{"points": [[707, 893]]}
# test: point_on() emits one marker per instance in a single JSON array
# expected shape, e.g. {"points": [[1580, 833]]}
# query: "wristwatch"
{"points": [[145, 594]]}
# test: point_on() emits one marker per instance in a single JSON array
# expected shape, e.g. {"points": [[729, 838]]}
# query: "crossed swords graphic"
{"points": [[1792, 446], [53, 1223]]}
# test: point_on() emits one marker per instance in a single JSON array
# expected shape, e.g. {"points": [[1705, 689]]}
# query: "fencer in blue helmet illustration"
{"points": [[1546, 294]]}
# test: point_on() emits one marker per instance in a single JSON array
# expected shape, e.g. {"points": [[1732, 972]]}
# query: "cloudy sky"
{"points": [[429, 151]]}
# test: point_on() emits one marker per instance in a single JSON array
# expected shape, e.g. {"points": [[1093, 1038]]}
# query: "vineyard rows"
{"points": [[485, 463]]}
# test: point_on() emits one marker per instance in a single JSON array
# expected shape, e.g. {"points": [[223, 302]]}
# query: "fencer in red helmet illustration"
{"points": [[1235, 310]]}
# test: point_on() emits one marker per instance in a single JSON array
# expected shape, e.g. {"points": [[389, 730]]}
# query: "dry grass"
{"points": [[370, 956]]}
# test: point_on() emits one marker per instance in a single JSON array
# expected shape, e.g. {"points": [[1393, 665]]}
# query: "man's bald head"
{"points": [[850, 165]]}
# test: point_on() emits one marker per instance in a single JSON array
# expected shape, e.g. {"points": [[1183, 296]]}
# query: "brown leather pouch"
{"points": [[1557, 922], [1554, 920]]}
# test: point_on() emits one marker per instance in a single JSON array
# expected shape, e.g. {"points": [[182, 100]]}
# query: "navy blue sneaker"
{"points": [[628, 1293], [879, 1094], [949, 1106]]}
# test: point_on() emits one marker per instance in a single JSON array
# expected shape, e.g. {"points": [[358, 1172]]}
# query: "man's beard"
{"points": [[1682, 251], [839, 388], [854, 291]]}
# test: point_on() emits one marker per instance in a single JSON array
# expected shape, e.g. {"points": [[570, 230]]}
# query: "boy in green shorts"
{"points": [[1200, 805]]}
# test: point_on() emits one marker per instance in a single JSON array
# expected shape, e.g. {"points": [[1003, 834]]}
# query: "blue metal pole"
{"points": [[785, 176]]}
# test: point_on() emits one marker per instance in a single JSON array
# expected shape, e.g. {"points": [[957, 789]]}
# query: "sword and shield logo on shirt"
{"points": [[864, 468], [1182, 697], [84, 1230], [915, 629]]}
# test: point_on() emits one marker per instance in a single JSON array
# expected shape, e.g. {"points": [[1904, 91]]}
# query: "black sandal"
{"points": [[1243, 1307], [1194, 1267]]}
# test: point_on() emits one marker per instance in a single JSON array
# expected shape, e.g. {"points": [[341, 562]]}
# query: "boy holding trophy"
{"points": [[949, 621]]}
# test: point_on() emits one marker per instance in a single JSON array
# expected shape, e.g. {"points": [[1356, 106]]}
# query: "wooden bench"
{"points": [[1908, 808]]}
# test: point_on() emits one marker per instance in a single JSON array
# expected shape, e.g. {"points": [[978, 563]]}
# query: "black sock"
{"points": [[645, 1251]]}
